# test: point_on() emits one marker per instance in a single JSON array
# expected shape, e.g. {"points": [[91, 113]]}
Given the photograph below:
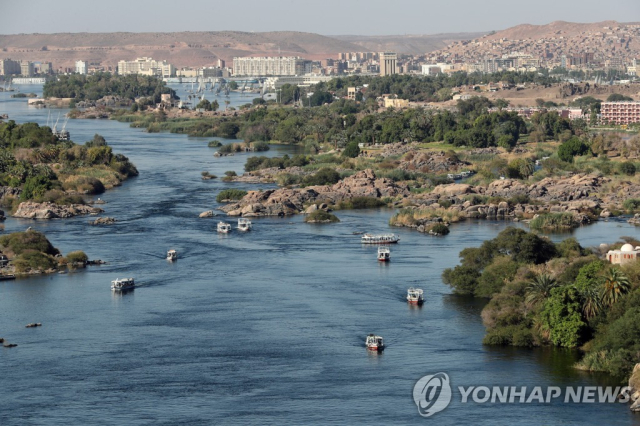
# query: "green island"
{"points": [[30, 252], [562, 294], [43, 177], [82, 88]]}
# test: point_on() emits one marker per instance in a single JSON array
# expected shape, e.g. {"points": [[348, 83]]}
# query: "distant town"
{"points": [[605, 56]]}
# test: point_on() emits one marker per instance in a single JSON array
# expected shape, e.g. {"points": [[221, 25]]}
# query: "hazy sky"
{"points": [[329, 17]]}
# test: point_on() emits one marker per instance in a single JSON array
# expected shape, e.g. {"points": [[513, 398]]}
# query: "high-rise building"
{"points": [[270, 66], [27, 69], [222, 63], [388, 63], [81, 67], [9, 67]]}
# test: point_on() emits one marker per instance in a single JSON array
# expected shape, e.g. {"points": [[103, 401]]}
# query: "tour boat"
{"points": [[380, 239], [384, 254], [244, 224], [415, 296], [172, 255], [122, 284], [224, 227], [374, 343]]}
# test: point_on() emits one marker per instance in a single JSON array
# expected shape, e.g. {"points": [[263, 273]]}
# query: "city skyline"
{"points": [[335, 17]]}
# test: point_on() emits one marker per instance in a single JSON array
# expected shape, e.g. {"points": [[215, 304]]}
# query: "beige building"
{"points": [[388, 62], [146, 66], [394, 102], [9, 67], [27, 69], [626, 254], [351, 93], [270, 66]]}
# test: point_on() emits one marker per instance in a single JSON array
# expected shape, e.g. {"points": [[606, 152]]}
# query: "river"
{"points": [[265, 327]]}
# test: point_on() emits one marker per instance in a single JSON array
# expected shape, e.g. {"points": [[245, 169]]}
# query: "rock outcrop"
{"points": [[32, 210], [634, 391], [286, 201], [103, 221], [208, 213]]}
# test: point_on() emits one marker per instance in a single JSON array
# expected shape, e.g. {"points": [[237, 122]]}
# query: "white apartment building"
{"points": [[146, 66], [82, 67], [270, 66]]}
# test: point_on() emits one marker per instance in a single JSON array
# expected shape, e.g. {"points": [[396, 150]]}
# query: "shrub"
{"points": [[554, 221], [230, 173], [34, 260], [361, 203], [260, 146], [438, 229], [628, 168], [230, 195], [214, 144], [325, 176], [77, 257], [84, 184], [321, 216], [571, 148], [230, 148], [631, 204], [352, 150]]}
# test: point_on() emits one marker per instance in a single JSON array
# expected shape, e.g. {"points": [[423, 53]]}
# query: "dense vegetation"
{"points": [[561, 294], [46, 169], [346, 122], [96, 86], [428, 88], [31, 251]]}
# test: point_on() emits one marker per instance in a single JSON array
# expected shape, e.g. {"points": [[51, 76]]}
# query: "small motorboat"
{"points": [[224, 227], [120, 284], [415, 296], [244, 224], [374, 343], [384, 254], [172, 255]]}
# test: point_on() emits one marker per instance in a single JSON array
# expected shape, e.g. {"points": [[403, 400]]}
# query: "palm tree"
{"points": [[615, 285], [539, 289], [591, 302]]}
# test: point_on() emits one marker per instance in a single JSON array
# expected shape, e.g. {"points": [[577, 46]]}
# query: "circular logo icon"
{"points": [[432, 394]]}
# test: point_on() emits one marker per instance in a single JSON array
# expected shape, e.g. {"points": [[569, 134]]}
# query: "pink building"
{"points": [[620, 112]]}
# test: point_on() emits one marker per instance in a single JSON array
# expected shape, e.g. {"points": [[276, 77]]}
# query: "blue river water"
{"points": [[265, 327]]}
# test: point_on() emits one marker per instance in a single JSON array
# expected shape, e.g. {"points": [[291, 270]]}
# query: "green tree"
{"points": [[562, 317], [616, 283], [352, 150], [539, 289], [628, 168]]}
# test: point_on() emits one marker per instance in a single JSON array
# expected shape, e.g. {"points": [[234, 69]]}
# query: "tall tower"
{"points": [[388, 63]]}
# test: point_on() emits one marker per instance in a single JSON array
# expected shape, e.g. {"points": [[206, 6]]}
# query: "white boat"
{"points": [[244, 224], [224, 227], [384, 254], [172, 255], [415, 296], [380, 239], [122, 284], [374, 343]]}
